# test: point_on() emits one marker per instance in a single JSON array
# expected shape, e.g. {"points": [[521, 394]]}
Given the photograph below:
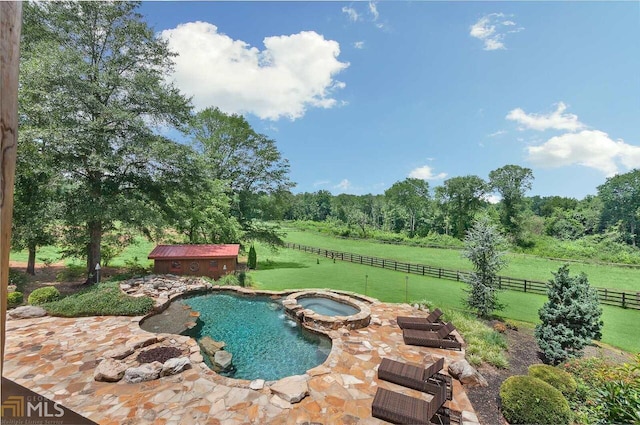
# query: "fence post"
{"points": [[422, 270], [439, 273], [499, 282], [395, 265], [525, 285], [624, 302]]}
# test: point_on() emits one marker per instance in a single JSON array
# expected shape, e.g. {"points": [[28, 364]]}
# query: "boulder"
{"points": [[292, 388], [279, 402], [26, 312], [118, 353], [210, 346], [109, 370], [175, 365], [467, 374], [145, 372], [223, 359], [257, 384]]}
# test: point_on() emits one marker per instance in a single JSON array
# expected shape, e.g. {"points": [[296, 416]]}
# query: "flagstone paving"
{"points": [[56, 357]]}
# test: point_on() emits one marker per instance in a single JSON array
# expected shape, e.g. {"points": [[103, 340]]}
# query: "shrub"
{"points": [[104, 299], [252, 260], [529, 400], [18, 278], [570, 318], [14, 299], [228, 280], [557, 378], [483, 343], [621, 402], [606, 393], [71, 273], [44, 295]]}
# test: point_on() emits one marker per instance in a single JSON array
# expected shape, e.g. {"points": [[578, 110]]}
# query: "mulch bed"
{"points": [[159, 354], [523, 351]]}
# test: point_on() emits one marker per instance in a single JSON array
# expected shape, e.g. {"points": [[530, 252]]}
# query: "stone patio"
{"points": [[56, 357]]}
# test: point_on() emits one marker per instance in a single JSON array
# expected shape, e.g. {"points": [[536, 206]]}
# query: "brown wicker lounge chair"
{"points": [[427, 380], [401, 409], [429, 323], [437, 339]]}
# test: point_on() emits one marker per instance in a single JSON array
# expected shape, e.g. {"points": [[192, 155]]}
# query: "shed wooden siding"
{"points": [[195, 260]]}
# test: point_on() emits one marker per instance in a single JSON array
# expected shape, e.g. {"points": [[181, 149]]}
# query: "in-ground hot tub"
{"points": [[326, 309]]}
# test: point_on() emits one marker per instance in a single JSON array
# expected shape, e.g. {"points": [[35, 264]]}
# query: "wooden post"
{"points": [[10, 26]]}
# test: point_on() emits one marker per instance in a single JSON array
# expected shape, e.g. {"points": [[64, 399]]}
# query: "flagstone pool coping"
{"points": [[56, 357]]}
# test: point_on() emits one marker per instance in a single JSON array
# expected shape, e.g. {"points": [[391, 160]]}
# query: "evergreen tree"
{"points": [[482, 245], [571, 317], [252, 261]]}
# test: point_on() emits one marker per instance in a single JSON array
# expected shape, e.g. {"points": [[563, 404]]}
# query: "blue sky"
{"points": [[359, 95]]}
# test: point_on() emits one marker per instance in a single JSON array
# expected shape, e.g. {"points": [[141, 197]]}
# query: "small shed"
{"points": [[195, 260]]}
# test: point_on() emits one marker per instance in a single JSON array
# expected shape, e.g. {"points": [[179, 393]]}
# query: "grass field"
{"points": [[136, 252], [519, 265], [290, 269]]}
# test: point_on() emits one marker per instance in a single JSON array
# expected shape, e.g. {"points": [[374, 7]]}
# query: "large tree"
{"points": [[412, 196], [511, 182], [620, 196], [36, 202], [460, 199], [95, 85], [248, 162]]}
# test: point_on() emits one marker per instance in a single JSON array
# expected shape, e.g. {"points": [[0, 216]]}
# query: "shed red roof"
{"points": [[189, 252]]}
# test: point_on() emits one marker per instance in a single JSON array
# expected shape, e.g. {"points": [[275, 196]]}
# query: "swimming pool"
{"points": [[327, 306], [264, 342]]}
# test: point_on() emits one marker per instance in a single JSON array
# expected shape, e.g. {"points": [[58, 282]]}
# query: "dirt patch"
{"points": [[523, 351], [46, 276]]}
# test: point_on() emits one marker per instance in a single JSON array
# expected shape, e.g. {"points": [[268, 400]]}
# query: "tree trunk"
{"points": [[10, 26], [31, 263], [93, 249]]}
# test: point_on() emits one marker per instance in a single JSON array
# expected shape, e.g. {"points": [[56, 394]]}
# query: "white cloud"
{"points": [[589, 148], [497, 133], [426, 173], [343, 185], [373, 9], [351, 13], [491, 29], [320, 183], [556, 120], [492, 198], [292, 73], [359, 44]]}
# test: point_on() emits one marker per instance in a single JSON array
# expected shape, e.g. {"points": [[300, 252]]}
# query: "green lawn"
{"points": [[519, 265], [136, 252], [290, 269]]}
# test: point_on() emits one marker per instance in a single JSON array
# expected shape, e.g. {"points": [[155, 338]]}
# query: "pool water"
{"points": [[265, 344], [327, 307]]}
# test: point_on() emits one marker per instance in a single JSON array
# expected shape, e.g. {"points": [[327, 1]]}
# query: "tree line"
{"points": [[411, 207]]}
